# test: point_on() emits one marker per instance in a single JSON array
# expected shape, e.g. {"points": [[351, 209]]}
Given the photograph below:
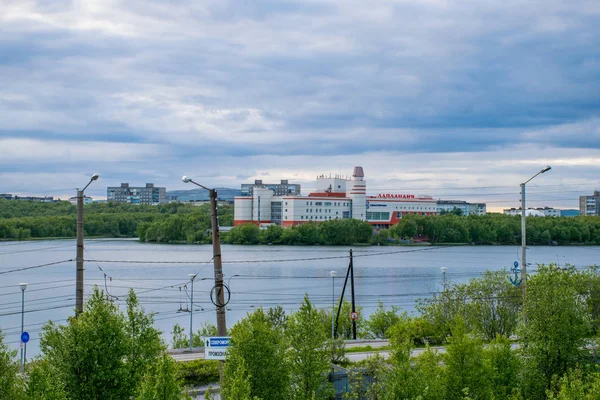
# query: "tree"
{"points": [[575, 385], [88, 355], [309, 356], [556, 328], [41, 384], [381, 321], [493, 305], [160, 382], [102, 353], [11, 384], [466, 367], [257, 350], [143, 340], [504, 367]]}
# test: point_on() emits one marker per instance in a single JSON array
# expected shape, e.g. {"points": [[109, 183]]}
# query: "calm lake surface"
{"points": [[266, 276]]}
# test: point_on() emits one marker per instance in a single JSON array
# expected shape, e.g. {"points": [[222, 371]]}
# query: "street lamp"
{"points": [[230, 278], [333, 274], [192, 277], [218, 266], [444, 270], [79, 273], [23, 286], [524, 234]]}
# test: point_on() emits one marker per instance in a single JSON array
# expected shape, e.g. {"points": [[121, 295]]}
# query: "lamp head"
{"points": [[192, 276], [548, 168], [333, 274], [444, 269], [95, 177], [23, 286], [186, 179]]}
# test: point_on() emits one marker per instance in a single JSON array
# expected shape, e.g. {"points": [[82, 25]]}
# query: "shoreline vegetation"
{"points": [[491, 351], [180, 223]]}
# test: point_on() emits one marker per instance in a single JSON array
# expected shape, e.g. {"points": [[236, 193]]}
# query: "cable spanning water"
{"points": [[257, 275]]}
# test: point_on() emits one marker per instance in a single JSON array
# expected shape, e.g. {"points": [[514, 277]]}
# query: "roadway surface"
{"points": [[198, 353]]}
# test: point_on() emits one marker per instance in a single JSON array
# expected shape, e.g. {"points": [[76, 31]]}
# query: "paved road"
{"points": [[198, 353], [385, 353]]}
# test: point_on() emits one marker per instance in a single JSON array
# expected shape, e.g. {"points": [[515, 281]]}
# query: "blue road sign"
{"points": [[218, 342], [24, 337]]}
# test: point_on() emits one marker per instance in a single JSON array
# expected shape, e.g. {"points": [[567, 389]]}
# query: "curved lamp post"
{"points": [[79, 273], [524, 234], [218, 266], [23, 286]]}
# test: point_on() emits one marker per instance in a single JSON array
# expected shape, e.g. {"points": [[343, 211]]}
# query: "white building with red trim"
{"points": [[334, 198]]}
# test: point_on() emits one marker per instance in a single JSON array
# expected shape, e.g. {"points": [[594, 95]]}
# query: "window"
{"points": [[307, 210], [286, 210], [301, 217], [286, 203], [327, 203], [318, 203]]}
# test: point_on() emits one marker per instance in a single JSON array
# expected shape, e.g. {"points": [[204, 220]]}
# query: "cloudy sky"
{"points": [[456, 99]]}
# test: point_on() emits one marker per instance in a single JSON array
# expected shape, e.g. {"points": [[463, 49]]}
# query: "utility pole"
{"points": [[444, 270], [218, 265], [79, 273], [352, 290], [23, 355], [79, 258], [192, 277], [524, 235], [523, 244]]}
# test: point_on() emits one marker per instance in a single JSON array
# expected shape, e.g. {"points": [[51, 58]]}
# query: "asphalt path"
{"points": [[198, 353]]}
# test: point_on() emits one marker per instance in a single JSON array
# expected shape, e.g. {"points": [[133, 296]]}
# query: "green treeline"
{"points": [[25, 220], [333, 232], [499, 229], [497, 347], [184, 223], [554, 356]]}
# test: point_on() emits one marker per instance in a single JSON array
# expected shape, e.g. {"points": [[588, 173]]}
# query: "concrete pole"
{"points": [[218, 266], [79, 273], [523, 244], [192, 315], [23, 286]]}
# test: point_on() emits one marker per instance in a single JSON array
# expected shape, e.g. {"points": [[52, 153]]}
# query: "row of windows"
{"points": [[326, 203], [382, 216]]}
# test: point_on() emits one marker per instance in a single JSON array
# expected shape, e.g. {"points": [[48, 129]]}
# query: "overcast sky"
{"points": [[455, 99]]}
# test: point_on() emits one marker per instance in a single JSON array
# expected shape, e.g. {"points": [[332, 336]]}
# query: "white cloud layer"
{"points": [[430, 95]]}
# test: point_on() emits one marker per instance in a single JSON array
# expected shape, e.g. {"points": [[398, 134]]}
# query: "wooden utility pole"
{"points": [[218, 265], [79, 272]]}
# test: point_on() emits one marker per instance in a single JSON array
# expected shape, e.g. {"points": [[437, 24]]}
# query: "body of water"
{"points": [[257, 275]]}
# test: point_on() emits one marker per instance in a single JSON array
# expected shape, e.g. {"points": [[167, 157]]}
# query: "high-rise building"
{"points": [[279, 189], [590, 205], [148, 194]]}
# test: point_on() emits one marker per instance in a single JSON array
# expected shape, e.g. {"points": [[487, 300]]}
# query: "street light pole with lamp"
{"points": [[524, 234], [192, 277], [444, 270], [23, 286], [218, 266], [333, 274], [79, 273]]}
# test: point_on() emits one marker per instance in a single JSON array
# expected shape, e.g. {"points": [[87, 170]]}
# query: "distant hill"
{"points": [[201, 194]]}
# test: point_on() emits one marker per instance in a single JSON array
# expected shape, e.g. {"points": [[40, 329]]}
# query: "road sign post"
{"points": [[215, 348]]}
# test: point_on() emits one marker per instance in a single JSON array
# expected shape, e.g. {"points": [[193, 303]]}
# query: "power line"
{"points": [[35, 266]]}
